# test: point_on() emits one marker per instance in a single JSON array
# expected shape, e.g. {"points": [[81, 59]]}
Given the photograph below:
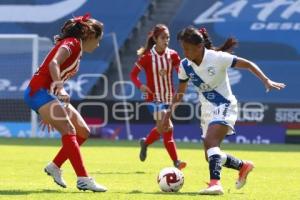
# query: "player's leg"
{"points": [[35, 101], [168, 139], [213, 138], [229, 161], [54, 113], [153, 135], [82, 133], [243, 166]]}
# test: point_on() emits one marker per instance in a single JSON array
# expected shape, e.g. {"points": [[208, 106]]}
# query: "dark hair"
{"points": [[154, 33], [80, 27], [194, 36]]}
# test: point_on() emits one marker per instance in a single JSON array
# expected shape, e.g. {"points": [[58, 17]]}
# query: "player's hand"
{"points": [[63, 96], [56, 86], [43, 125], [269, 84], [145, 89]]}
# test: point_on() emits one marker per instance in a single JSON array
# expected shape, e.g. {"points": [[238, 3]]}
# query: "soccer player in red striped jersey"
{"points": [[47, 96], [159, 62]]}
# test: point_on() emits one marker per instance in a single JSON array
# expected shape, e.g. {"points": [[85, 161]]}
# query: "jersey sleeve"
{"points": [[72, 45], [134, 76], [182, 76], [226, 60], [141, 62], [175, 60]]}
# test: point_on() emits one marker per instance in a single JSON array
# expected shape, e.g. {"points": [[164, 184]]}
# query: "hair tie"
{"points": [[82, 19], [202, 30]]}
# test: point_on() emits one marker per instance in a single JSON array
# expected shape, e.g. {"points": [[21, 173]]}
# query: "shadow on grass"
{"points": [[124, 143], [120, 173], [26, 192], [165, 193], [17, 192]]}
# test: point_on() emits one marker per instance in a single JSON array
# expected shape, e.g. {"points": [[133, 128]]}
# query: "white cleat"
{"points": [[88, 183], [212, 190], [244, 171], [52, 170]]}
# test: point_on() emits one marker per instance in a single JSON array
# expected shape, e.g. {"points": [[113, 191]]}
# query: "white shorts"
{"points": [[225, 114]]}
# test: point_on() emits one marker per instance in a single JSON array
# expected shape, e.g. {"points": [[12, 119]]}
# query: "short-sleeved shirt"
{"points": [[42, 77], [210, 77], [158, 69]]}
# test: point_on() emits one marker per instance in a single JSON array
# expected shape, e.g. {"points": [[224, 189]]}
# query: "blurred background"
{"points": [[267, 31]]}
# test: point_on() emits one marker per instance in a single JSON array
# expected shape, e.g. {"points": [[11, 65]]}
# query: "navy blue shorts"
{"points": [[40, 98]]}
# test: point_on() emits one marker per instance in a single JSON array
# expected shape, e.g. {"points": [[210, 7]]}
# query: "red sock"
{"points": [[71, 147], [152, 136], [61, 156], [170, 144]]}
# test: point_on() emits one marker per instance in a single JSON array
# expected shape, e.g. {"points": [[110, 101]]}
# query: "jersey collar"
{"points": [[155, 52]]}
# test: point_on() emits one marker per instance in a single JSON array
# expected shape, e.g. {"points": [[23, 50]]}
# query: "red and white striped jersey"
{"points": [[159, 73], [42, 77]]}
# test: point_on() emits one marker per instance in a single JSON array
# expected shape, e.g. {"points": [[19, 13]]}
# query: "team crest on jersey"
{"points": [[162, 72], [211, 71], [192, 76]]}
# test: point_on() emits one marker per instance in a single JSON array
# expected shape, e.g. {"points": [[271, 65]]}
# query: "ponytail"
{"points": [[194, 36]]}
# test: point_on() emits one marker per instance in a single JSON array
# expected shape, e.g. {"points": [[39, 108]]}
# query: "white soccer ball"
{"points": [[170, 179]]}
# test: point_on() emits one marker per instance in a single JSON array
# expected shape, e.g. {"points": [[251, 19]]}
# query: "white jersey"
{"points": [[219, 105], [210, 77]]}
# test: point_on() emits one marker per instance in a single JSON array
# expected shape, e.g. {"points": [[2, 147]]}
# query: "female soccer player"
{"points": [[46, 95], [206, 66], [158, 62]]}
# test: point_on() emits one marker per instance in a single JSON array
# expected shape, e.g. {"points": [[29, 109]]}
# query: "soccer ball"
{"points": [[170, 179]]}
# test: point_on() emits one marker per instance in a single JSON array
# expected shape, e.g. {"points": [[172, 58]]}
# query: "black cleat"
{"points": [[143, 152]]}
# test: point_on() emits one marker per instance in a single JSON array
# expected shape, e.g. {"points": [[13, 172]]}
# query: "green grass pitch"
{"points": [[115, 164]]}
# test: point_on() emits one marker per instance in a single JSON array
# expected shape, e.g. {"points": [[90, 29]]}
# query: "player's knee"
{"points": [[209, 143], [160, 129]]}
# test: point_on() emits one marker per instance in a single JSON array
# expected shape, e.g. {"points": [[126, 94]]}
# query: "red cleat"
{"points": [[244, 171]]}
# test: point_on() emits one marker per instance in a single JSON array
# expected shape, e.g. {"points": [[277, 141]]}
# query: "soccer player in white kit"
{"points": [[206, 66]]}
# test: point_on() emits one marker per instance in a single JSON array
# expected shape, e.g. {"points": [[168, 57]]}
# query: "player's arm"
{"points": [[269, 84], [175, 101], [176, 61], [54, 69], [134, 75], [179, 94]]}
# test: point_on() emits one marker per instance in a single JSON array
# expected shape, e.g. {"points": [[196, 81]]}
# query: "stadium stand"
{"points": [[157, 12], [121, 22]]}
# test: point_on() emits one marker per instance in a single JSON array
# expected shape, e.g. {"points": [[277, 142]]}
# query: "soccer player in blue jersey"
{"points": [[206, 66]]}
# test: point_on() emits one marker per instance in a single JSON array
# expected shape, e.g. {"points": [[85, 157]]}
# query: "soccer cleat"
{"points": [[179, 164], [52, 170], [246, 168], [88, 183], [143, 151], [214, 188]]}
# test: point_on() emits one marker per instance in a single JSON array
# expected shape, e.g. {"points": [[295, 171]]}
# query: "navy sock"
{"points": [[232, 162], [215, 166]]}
